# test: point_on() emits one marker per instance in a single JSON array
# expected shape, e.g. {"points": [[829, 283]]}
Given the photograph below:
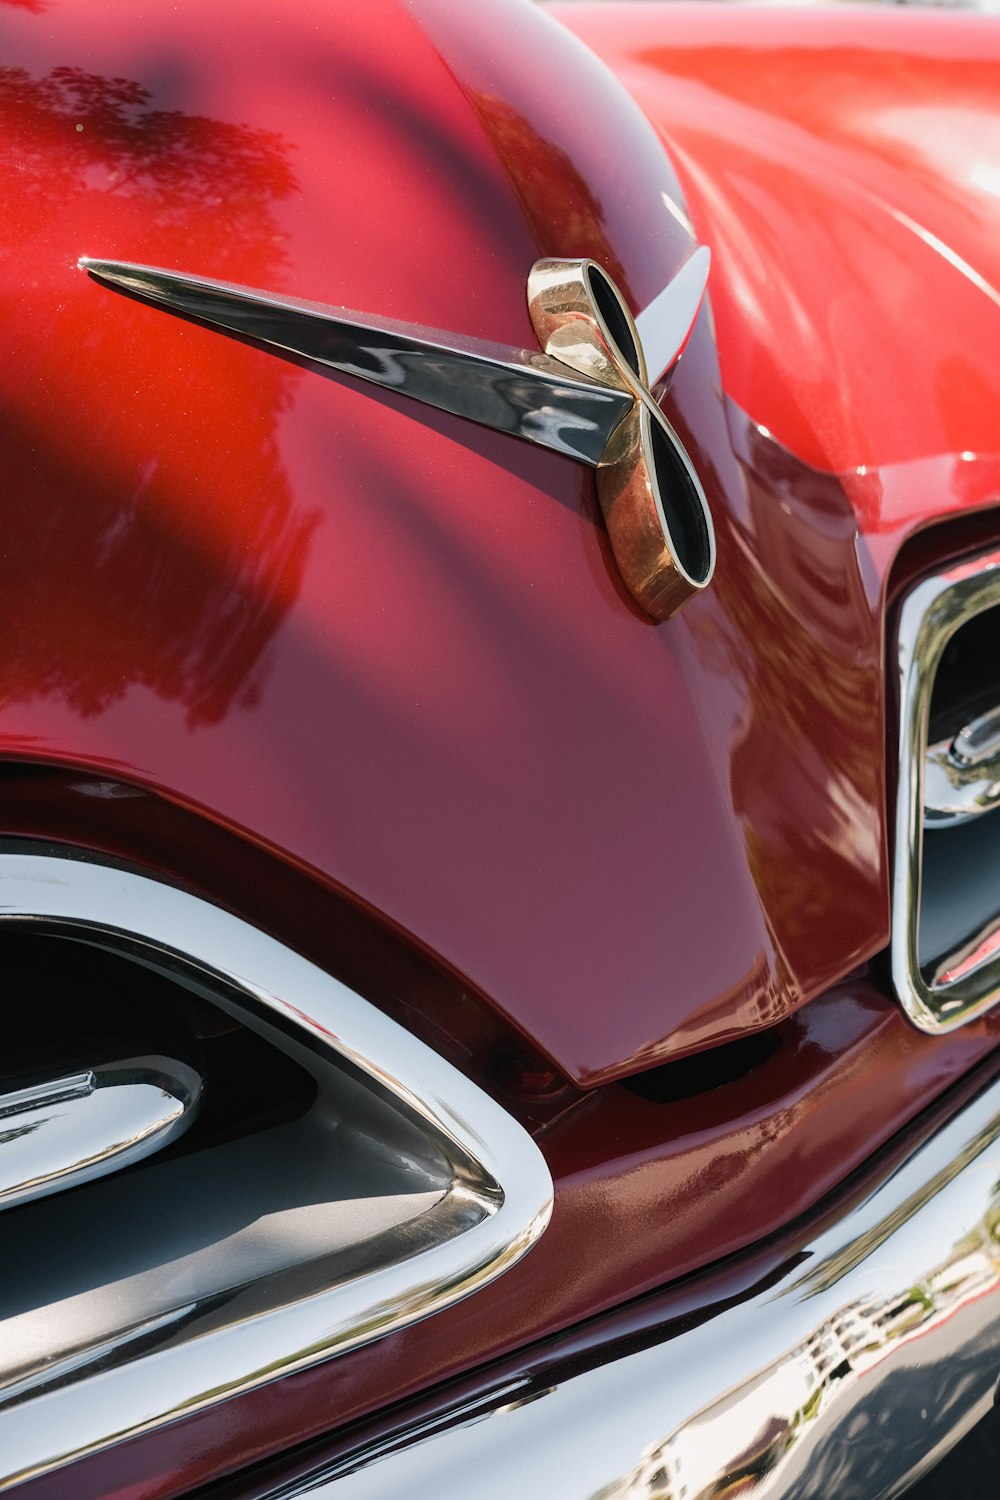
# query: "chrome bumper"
{"points": [[869, 1347]]}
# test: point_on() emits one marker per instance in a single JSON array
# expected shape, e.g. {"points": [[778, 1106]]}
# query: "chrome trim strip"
{"points": [[930, 615], [68, 1131], [523, 393], [978, 741], [495, 1162], [847, 1372], [53, 1091]]}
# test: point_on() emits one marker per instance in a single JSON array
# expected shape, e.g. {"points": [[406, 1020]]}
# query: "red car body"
{"points": [[366, 674]]}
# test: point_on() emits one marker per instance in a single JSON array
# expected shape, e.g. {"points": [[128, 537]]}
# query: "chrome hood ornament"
{"points": [[586, 396]]}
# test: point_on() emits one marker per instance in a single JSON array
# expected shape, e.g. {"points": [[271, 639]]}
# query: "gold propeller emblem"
{"points": [[656, 513]]}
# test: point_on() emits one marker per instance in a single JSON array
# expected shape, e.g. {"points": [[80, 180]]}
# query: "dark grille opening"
{"points": [[960, 895], [968, 677], [75, 1006], [293, 1173], [272, 1173], [945, 944], [691, 1076]]}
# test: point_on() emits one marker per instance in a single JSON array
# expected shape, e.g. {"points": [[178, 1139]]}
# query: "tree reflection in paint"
{"points": [[558, 202], [150, 533], [73, 133]]}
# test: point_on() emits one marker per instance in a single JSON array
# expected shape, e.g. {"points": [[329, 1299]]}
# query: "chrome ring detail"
{"points": [[658, 519]]}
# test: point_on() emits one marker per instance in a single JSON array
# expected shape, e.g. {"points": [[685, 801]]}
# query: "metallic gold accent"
{"points": [[964, 984], [587, 396], [654, 507]]}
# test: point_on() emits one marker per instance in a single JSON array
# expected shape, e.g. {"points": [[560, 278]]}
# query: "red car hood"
{"points": [[392, 647], [845, 168]]}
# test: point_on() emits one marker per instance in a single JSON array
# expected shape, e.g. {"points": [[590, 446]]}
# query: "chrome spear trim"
{"points": [[586, 396], [511, 390]]}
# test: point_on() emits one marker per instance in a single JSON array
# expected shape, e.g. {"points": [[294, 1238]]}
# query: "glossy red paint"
{"points": [[648, 1189], [376, 663], [385, 645], [713, 1155], [843, 167]]}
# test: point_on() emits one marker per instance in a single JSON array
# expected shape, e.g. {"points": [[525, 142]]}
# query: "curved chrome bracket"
{"points": [[587, 396], [930, 616], [66, 1131], [495, 1200]]}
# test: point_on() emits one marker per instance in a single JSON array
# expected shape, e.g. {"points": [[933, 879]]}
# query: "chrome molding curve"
{"points": [[848, 1372], [496, 1166], [930, 615], [69, 1130]]}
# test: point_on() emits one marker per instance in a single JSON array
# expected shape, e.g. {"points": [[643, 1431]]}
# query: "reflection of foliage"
{"points": [[557, 200], [147, 609], [789, 622], [992, 1220], [151, 537], [15, 1132], [812, 1406], [75, 132]]}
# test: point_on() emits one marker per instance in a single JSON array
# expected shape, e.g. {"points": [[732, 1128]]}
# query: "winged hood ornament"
{"points": [[585, 394]]}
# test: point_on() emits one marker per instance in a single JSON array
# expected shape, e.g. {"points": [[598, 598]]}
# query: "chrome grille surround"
{"points": [[931, 614], [498, 1204]]}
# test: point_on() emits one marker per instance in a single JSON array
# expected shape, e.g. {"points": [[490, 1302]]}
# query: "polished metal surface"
{"points": [[965, 981], [665, 326], [655, 509], [962, 773], [53, 1091], [845, 1372], [67, 1131], [979, 740], [584, 397], [511, 390], [480, 1196]]}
